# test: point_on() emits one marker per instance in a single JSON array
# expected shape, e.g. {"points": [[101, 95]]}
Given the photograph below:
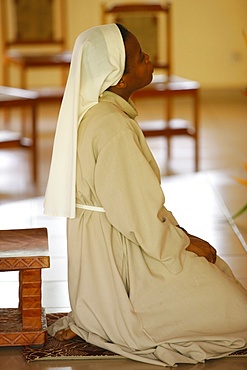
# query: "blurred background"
{"points": [[208, 46], [208, 43]]}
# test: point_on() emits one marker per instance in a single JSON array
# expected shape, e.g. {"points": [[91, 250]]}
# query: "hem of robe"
{"points": [[165, 354]]}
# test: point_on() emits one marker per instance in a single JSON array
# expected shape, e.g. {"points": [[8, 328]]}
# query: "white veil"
{"points": [[98, 61]]}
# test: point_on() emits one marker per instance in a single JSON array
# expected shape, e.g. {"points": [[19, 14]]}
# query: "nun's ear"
{"points": [[121, 83]]}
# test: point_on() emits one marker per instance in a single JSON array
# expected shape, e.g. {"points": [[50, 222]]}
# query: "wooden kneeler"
{"points": [[24, 250]]}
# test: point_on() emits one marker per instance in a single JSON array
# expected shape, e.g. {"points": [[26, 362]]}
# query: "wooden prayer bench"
{"points": [[26, 251]]}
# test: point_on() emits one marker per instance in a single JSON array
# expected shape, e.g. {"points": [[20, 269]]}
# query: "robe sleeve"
{"points": [[131, 195]]}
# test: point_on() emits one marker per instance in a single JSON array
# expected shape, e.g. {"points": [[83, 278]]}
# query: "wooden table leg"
{"points": [[30, 299], [34, 143]]}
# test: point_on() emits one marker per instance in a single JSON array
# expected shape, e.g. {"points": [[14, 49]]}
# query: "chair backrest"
{"points": [[150, 23], [30, 23]]}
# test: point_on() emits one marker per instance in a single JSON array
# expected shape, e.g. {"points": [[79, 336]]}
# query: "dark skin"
{"points": [[139, 70], [201, 248], [139, 74]]}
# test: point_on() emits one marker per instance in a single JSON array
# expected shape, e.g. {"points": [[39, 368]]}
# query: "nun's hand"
{"points": [[202, 248]]}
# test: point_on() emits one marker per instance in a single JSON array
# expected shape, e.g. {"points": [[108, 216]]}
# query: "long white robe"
{"points": [[133, 287]]}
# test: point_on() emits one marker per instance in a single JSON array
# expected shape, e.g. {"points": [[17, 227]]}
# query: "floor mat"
{"points": [[76, 348]]}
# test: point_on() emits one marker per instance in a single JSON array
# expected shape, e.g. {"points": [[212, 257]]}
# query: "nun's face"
{"points": [[139, 68]]}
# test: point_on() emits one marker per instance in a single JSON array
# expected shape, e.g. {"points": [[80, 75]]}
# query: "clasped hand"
{"points": [[202, 248]]}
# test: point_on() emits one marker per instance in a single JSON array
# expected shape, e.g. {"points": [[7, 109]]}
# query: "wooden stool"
{"points": [[24, 250]]}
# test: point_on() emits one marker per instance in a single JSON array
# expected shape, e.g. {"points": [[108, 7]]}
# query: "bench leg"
{"points": [[30, 299]]}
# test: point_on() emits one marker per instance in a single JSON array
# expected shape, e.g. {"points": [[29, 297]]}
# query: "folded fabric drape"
{"points": [[98, 62]]}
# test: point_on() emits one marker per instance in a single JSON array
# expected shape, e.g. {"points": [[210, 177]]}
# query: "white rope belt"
{"points": [[90, 208]]}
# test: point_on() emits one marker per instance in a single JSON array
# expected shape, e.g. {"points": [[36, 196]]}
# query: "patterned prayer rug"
{"points": [[76, 348]]}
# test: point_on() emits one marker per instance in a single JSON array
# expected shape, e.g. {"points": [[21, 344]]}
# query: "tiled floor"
{"points": [[201, 203]]}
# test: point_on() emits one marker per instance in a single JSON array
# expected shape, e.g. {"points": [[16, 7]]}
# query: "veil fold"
{"points": [[98, 62]]}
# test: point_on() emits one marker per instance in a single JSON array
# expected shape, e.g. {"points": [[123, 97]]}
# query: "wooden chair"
{"points": [[151, 23], [33, 36], [12, 98]]}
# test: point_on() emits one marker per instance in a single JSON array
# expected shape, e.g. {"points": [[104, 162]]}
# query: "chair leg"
{"points": [[196, 123], [6, 82], [168, 148], [34, 142], [23, 85], [168, 118]]}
